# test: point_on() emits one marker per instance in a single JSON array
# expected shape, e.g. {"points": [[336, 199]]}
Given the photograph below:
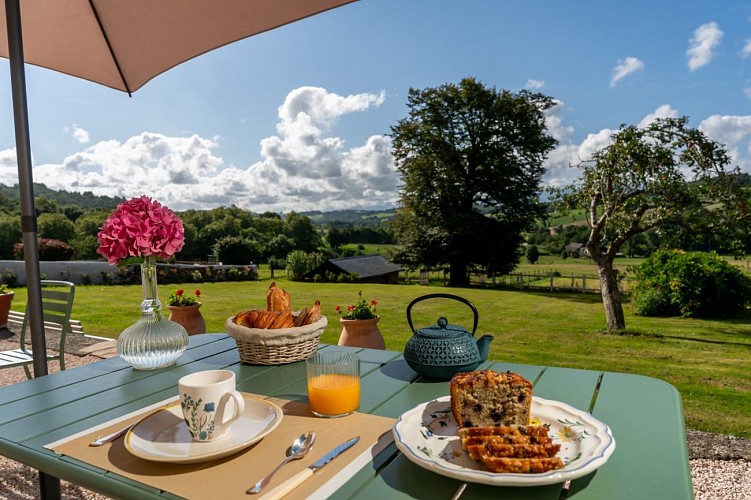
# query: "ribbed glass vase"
{"points": [[153, 341]]}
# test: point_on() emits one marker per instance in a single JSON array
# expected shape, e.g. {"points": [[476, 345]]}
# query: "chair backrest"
{"points": [[57, 303]]}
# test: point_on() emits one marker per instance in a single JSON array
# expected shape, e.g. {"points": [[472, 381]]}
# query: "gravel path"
{"points": [[720, 465]]}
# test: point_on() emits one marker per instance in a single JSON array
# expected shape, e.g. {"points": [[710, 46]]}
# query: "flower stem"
{"points": [[151, 303]]}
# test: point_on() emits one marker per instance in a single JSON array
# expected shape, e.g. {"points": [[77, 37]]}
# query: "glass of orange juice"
{"points": [[334, 383]]}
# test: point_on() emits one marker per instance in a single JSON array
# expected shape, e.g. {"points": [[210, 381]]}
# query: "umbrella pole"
{"points": [[49, 486]]}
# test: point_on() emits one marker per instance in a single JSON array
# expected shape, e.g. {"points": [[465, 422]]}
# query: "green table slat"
{"points": [[573, 387], [651, 454], [403, 479]]}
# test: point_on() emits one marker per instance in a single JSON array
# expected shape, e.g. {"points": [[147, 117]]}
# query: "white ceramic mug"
{"points": [[205, 398]]}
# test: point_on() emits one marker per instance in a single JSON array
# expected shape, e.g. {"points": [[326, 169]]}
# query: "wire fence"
{"points": [[552, 282]]}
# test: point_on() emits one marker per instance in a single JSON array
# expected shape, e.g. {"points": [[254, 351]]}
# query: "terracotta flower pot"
{"points": [[189, 317], [5, 300], [361, 333]]}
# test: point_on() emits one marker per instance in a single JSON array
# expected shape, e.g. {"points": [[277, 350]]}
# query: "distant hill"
{"points": [[10, 203], [87, 200], [351, 217]]}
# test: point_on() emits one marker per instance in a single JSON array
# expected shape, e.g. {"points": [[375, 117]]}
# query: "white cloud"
{"points": [[303, 167], [534, 84], [562, 161], [701, 50], [746, 50], [624, 68], [734, 132], [727, 130], [664, 111], [747, 90], [149, 163], [78, 134], [554, 123], [9, 167]]}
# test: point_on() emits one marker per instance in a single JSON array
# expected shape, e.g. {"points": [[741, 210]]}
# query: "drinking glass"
{"points": [[334, 383]]}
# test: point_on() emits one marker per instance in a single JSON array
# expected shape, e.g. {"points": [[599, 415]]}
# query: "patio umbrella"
{"points": [[121, 44]]}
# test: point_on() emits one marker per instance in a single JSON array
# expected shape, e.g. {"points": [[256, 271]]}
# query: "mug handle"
{"points": [[220, 422]]}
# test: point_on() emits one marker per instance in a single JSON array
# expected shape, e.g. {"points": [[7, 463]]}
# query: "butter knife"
{"points": [[100, 441], [296, 480]]}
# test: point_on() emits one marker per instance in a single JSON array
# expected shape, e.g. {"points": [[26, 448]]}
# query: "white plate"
{"points": [[164, 437], [427, 436]]}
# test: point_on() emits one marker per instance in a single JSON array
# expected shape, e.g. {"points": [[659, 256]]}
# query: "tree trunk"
{"points": [[458, 276], [611, 296]]}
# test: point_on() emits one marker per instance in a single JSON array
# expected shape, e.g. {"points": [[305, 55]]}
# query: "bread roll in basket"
{"points": [[263, 346]]}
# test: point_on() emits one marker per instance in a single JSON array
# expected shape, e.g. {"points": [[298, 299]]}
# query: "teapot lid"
{"points": [[442, 330]]}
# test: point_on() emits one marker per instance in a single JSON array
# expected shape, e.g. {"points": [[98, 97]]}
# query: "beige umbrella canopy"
{"points": [[125, 43]]}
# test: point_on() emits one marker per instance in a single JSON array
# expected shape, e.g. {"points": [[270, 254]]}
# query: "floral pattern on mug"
{"points": [[201, 424]]}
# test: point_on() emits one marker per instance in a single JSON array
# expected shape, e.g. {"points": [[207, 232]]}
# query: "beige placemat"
{"points": [[230, 477]]}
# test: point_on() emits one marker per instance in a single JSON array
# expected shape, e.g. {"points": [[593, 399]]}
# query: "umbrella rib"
{"points": [[109, 46]]}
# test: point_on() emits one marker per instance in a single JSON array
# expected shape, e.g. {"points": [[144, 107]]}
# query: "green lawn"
{"points": [[708, 361]]}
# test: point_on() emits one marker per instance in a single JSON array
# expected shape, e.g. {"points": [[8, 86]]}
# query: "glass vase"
{"points": [[153, 341]]}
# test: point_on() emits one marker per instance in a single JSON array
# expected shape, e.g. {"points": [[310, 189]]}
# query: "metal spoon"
{"points": [[299, 449]]}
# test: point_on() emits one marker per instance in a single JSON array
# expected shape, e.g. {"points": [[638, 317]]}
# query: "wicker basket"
{"points": [[259, 346]]}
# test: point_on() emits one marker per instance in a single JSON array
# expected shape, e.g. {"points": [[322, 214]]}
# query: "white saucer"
{"points": [[164, 437]]}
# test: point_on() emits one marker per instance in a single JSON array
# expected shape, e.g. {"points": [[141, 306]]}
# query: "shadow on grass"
{"points": [[636, 333], [708, 341], [581, 298]]}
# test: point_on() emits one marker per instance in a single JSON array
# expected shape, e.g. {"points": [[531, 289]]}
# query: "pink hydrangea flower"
{"points": [[141, 227]]}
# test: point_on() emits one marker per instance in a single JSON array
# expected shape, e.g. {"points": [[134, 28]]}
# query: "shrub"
{"points": [[533, 254], [237, 250], [298, 264], [696, 284], [10, 278], [49, 249]]}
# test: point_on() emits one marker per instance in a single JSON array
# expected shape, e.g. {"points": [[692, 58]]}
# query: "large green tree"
{"points": [[303, 232], [663, 174], [471, 160], [56, 226]]}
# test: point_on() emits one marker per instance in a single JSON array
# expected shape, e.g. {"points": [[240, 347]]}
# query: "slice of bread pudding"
{"points": [[493, 411], [485, 398]]}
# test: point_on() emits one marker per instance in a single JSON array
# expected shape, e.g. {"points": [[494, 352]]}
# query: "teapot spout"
{"points": [[483, 345]]}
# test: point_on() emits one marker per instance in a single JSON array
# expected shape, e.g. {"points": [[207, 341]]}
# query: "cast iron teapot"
{"points": [[440, 351]]}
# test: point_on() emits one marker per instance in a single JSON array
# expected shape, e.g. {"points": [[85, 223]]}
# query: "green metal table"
{"points": [[645, 415]]}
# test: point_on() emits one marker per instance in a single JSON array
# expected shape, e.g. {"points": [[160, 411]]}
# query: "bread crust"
{"points": [[278, 299], [520, 465], [490, 449], [522, 434]]}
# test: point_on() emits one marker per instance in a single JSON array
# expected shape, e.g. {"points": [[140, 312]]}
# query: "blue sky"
{"points": [[297, 118]]}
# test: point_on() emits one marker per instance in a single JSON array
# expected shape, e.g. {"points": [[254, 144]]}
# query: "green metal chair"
{"points": [[57, 303]]}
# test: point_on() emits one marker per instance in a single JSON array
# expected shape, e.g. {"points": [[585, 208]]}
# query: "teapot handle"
{"points": [[442, 296]]}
